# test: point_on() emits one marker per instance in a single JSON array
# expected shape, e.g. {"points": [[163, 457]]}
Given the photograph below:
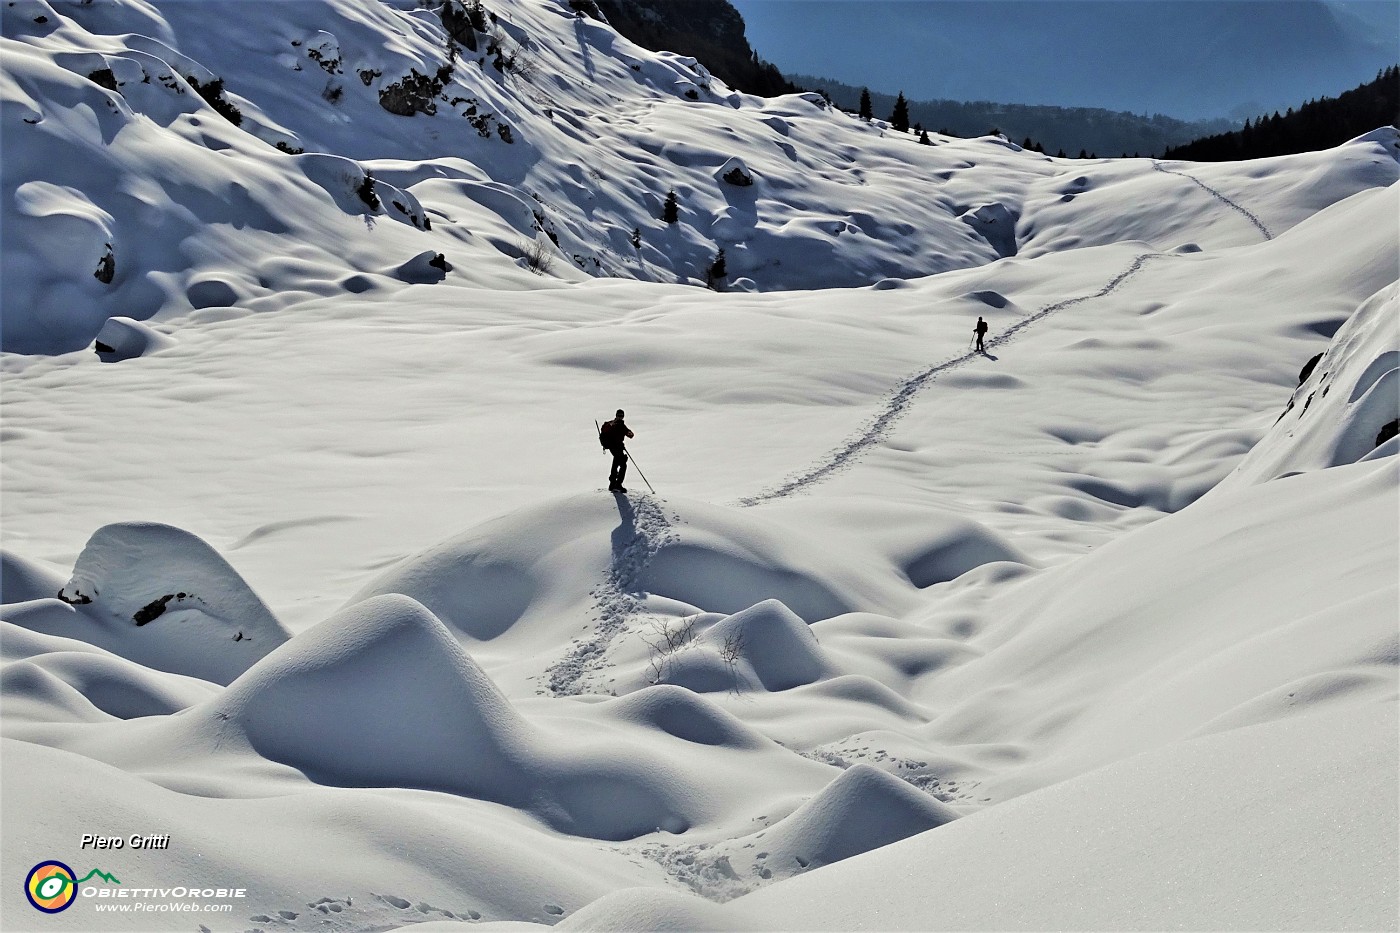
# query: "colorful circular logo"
{"points": [[51, 887]]}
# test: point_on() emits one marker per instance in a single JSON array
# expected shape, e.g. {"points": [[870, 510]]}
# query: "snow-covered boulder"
{"points": [[735, 172], [122, 338], [164, 598]]}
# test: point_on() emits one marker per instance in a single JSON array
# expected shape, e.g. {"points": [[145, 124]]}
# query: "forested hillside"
{"points": [[1318, 124], [1104, 132]]}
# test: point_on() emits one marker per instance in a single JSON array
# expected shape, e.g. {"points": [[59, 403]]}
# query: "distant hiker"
{"points": [[613, 436], [981, 331]]}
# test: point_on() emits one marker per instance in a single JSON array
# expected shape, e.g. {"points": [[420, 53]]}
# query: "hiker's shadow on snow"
{"points": [[988, 355], [626, 532]]}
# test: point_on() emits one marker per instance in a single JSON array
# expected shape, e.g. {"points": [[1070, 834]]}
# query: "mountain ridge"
{"points": [[1054, 128], [1230, 58]]}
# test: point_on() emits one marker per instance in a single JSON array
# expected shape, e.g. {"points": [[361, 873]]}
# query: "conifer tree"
{"points": [[899, 117], [866, 112], [671, 211], [717, 270], [923, 138]]}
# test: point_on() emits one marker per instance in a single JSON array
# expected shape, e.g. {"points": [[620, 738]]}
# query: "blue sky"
{"points": [[1187, 58]]}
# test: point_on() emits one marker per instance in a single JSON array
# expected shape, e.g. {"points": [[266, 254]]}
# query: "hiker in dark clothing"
{"points": [[613, 436], [981, 331]]}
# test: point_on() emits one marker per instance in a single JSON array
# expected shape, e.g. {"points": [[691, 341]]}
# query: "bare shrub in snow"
{"points": [[538, 256], [665, 641], [730, 653]]}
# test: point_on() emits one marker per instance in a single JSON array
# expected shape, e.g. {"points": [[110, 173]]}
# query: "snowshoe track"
{"points": [[645, 530], [1258, 224], [903, 395]]}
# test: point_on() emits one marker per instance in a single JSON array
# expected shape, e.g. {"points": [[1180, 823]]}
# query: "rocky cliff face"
{"points": [[709, 30]]}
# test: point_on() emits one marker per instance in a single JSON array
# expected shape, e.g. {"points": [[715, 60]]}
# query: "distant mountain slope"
{"points": [[1104, 132], [155, 168], [1181, 57], [710, 30], [1318, 124]]}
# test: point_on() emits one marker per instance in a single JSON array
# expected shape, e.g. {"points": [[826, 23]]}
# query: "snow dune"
{"points": [[310, 566]]}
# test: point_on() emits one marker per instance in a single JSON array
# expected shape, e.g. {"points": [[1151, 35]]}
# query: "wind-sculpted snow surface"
{"points": [[308, 567], [860, 811], [903, 395], [1318, 429], [1244, 212]]}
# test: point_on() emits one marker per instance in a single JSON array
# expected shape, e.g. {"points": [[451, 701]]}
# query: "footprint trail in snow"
{"points": [[903, 395], [644, 531], [1258, 224]]}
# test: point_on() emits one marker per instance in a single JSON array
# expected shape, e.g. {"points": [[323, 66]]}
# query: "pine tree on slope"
{"points": [[899, 118]]}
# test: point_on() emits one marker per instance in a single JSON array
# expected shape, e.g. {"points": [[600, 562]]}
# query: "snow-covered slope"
{"points": [[308, 567]]}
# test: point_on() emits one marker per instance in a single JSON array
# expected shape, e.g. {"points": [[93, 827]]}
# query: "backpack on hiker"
{"points": [[609, 435]]}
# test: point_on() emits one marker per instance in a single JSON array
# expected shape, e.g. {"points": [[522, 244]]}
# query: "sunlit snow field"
{"points": [[1094, 630]]}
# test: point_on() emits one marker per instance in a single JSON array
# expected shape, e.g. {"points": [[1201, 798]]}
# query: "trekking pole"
{"points": [[639, 471]]}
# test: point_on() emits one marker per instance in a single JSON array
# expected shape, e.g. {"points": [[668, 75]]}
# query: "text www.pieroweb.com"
{"points": [[168, 907]]}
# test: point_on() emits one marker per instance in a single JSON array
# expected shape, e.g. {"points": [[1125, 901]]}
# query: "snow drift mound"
{"points": [[111, 684], [949, 548], [526, 576], [766, 646], [1145, 844], [163, 598], [863, 809], [22, 579], [654, 910], [382, 695], [1346, 408], [476, 589], [1211, 619], [727, 560], [681, 713]]}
